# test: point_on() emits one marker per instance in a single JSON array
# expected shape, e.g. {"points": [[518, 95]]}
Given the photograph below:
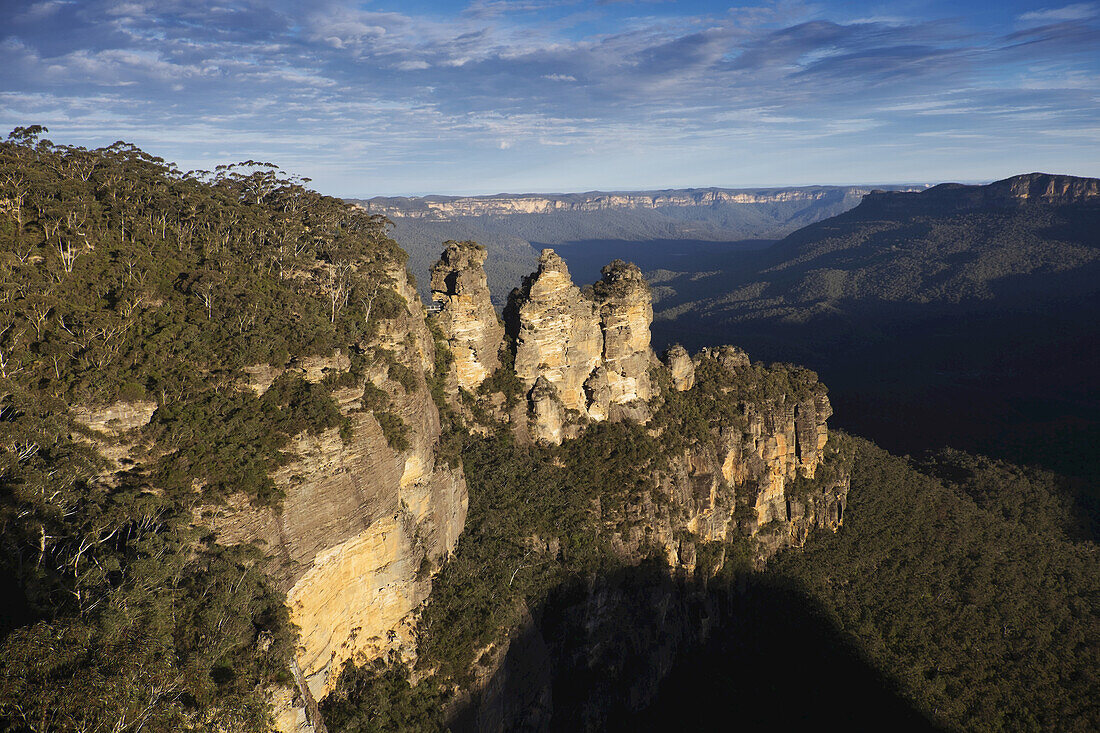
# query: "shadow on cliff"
{"points": [[637, 650]]}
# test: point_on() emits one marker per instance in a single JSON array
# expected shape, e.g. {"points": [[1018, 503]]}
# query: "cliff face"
{"points": [[467, 318], [448, 207], [1014, 192], [363, 525], [626, 312], [755, 474]]}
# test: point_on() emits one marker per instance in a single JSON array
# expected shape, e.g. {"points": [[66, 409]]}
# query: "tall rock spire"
{"points": [[467, 318], [556, 330], [626, 312]]}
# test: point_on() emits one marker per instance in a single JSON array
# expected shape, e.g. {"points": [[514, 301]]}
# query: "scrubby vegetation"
{"points": [[969, 594], [720, 395], [124, 278]]}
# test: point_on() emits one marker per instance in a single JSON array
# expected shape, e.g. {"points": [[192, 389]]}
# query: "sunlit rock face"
{"points": [[593, 349], [626, 312], [557, 332], [467, 319], [745, 486], [547, 412], [363, 526], [680, 367]]}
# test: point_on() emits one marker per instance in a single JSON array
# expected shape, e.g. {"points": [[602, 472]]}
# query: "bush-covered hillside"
{"points": [[124, 278], [969, 593]]}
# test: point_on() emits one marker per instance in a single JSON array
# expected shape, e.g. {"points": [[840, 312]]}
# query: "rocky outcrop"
{"points": [[756, 477], [548, 415], [594, 352], [112, 428], [680, 367], [626, 312], [557, 332], [467, 318], [363, 525], [761, 481]]}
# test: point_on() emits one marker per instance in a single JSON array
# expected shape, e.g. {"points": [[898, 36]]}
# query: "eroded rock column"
{"points": [[626, 312], [557, 332], [467, 319]]}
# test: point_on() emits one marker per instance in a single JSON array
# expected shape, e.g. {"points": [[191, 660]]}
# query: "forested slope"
{"points": [[988, 618], [129, 284], [963, 316]]}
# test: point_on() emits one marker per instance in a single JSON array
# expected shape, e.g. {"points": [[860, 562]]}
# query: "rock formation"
{"points": [[557, 332], [467, 318], [595, 353], [443, 208], [681, 367], [626, 312], [364, 525], [547, 411], [757, 476]]}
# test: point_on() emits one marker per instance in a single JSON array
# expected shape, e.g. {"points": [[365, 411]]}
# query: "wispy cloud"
{"points": [[1076, 11], [375, 98]]}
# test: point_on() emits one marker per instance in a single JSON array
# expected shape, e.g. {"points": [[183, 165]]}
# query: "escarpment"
{"points": [[365, 521], [585, 356], [732, 463]]}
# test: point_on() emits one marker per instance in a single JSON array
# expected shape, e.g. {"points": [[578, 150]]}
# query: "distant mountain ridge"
{"points": [[514, 227], [972, 310], [1016, 191], [445, 207]]}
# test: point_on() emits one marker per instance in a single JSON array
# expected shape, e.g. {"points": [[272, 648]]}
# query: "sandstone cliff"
{"points": [[626, 312], [363, 525], [593, 351], [367, 520], [447, 207], [758, 478], [746, 468]]}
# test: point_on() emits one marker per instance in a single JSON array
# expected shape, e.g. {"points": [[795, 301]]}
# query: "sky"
{"points": [[408, 97]]}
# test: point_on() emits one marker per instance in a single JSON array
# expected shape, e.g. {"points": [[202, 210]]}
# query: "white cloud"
{"points": [[1076, 11], [559, 77]]}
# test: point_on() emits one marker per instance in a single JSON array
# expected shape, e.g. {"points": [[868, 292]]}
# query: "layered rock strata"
{"points": [[760, 475], [594, 352], [467, 318], [363, 525], [626, 312], [547, 413]]}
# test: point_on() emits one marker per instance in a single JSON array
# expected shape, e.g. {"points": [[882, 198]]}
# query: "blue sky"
{"points": [[400, 97]]}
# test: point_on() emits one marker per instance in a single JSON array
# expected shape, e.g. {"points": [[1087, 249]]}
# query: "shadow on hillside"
{"points": [[635, 650], [1016, 383]]}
